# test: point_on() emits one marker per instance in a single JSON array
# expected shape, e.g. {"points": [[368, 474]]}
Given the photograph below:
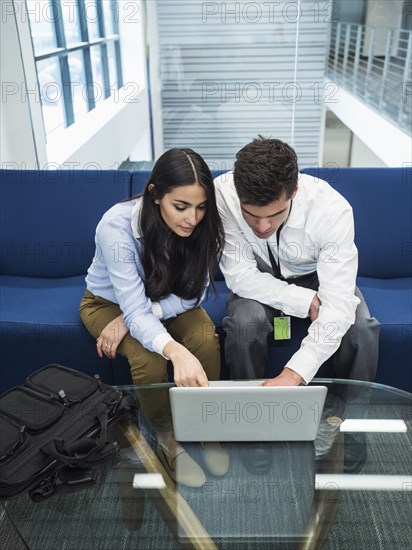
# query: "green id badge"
{"points": [[281, 328]]}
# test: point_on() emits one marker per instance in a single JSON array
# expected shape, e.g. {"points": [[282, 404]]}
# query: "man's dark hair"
{"points": [[265, 170]]}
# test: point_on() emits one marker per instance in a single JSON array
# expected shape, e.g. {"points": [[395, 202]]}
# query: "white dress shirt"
{"points": [[317, 236]]}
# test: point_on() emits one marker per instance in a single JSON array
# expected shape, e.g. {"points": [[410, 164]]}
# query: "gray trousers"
{"points": [[248, 324]]}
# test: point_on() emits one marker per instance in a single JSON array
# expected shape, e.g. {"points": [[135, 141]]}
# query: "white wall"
{"points": [[362, 157], [390, 144], [105, 136], [343, 148], [18, 146], [336, 147]]}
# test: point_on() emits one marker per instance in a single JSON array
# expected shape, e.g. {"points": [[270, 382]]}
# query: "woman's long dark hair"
{"points": [[173, 264]]}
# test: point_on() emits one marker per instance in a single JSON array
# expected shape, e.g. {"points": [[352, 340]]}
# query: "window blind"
{"points": [[232, 70]]}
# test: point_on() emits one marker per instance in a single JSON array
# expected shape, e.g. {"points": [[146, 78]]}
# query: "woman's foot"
{"points": [[179, 465], [215, 457]]}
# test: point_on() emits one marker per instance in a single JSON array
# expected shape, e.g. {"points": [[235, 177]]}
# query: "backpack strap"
{"points": [[81, 449]]}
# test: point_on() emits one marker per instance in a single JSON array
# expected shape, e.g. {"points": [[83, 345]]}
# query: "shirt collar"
{"points": [[135, 218], [297, 214]]}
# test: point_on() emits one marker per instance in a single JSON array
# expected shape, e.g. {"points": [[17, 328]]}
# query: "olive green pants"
{"points": [[193, 329]]}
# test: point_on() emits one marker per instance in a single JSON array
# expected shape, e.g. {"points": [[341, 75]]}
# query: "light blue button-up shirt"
{"points": [[117, 275]]}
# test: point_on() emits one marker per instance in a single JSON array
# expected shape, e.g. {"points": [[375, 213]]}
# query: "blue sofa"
{"points": [[47, 224]]}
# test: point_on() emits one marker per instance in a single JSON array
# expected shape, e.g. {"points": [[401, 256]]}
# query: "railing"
{"points": [[374, 64]]}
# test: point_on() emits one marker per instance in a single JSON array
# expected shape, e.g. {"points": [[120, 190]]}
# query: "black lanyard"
{"points": [[276, 264]]}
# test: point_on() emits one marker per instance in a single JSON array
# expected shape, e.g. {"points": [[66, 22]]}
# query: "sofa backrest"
{"points": [[381, 199], [140, 178], [48, 218]]}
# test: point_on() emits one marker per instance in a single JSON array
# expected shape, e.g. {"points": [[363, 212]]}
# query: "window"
{"points": [[77, 53], [232, 70]]}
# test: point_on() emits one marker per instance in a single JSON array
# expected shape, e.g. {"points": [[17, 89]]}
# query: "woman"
{"points": [[154, 257]]}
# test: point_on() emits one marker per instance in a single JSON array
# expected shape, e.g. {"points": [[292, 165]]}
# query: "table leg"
{"points": [[175, 510], [132, 499], [326, 503]]}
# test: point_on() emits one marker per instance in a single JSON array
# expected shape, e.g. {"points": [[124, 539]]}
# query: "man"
{"points": [[289, 252]]}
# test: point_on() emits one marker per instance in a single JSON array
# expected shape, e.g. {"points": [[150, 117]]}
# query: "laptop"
{"points": [[240, 410]]}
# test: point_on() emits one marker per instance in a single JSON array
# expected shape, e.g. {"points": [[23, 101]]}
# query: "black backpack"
{"points": [[53, 431]]}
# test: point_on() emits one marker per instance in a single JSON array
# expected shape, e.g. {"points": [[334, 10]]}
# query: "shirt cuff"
{"points": [[302, 363], [159, 343], [157, 310]]}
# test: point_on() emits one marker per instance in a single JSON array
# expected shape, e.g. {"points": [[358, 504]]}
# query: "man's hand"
{"points": [[314, 308], [287, 377], [110, 337]]}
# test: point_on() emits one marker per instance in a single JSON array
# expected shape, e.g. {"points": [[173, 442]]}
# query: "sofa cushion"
{"points": [[48, 218], [215, 305], [139, 180], [40, 324], [381, 199], [390, 301]]}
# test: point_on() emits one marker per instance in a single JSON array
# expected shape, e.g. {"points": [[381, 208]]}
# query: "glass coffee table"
{"points": [[305, 499]]}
